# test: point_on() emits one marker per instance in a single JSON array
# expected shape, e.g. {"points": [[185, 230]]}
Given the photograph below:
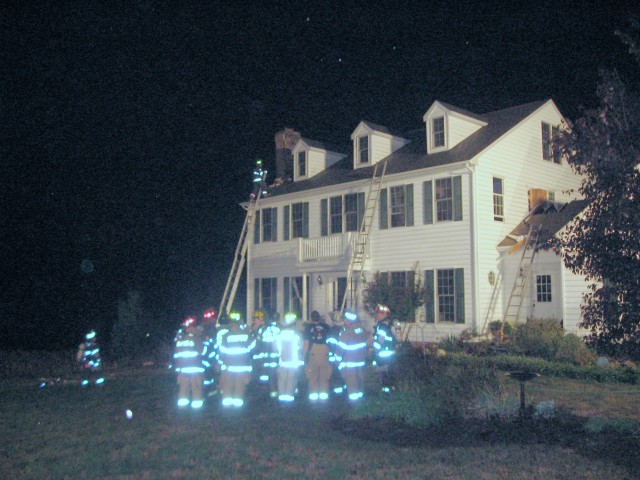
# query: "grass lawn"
{"points": [[65, 432]]}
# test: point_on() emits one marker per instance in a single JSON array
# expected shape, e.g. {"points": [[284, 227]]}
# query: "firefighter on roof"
{"points": [[352, 350], [235, 357], [259, 180], [289, 348], [188, 354], [384, 347], [316, 354], [88, 357]]}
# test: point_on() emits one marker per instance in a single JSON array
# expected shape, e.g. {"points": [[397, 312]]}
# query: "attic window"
{"points": [[437, 132], [549, 133], [302, 163], [363, 149]]}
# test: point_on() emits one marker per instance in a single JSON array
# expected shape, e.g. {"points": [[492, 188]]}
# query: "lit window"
{"points": [[543, 288], [302, 164], [437, 133], [498, 200], [363, 149]]}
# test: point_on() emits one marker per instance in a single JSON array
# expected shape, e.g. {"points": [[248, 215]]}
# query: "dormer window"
{"points": [[437, 132], [549, 133], [363, 149], [302, 163]]}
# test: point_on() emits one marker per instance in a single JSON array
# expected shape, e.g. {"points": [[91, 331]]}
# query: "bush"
{"points": [[572, 349], [539, 337]]}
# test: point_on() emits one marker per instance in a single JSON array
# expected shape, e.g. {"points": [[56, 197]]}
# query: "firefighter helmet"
{"points": [[189, 322], [349, 316], [382, 308], [91, 335], [235, 316], [259, 314], [290, 318]]}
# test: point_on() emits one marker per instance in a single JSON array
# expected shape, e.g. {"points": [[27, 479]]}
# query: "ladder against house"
{"points": [[239, 257], [359, 246], [519, 289]]}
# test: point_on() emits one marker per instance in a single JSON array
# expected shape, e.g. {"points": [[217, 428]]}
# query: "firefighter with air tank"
{"points": [[384, 348], [188, 355], [236, 361], [352, 349], [316, 355]]}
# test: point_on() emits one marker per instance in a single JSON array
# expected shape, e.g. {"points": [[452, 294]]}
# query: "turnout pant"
{"points": [[318, 369], [354, 379], [190, 387], [287, 382], [234, 384]]}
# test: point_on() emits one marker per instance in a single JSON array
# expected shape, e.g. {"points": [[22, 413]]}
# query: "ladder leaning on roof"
{"points": [[359, 246], [239, 257], [518, 291]]}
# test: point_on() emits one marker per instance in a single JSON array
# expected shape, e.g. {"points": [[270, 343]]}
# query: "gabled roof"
{"points": [[463, 112], [319, 145], [413, 156], [550, 217]]}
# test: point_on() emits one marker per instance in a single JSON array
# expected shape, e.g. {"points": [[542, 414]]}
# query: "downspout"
{"points": [[475, 285]]}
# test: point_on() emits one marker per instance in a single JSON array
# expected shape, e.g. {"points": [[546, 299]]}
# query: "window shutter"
{"points": [[274, 220], [256, 227], [429, 304], [459, 288], [408, 191], [256, 294], [286, 221], [457, 198], [305, 220], [274, 293], [287, 294], [361, 204], [427, 202], [324, 226], [383, 223]]}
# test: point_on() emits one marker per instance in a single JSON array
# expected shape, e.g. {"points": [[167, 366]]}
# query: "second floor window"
{"points": [[335, 214], [302, 164], [296, 220], [363, 149], [269, 224], [498, 200], [396, 206], [437, 132], [445, 204]]}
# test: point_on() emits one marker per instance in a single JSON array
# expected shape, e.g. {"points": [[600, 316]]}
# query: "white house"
{"points": [[452, 202]]}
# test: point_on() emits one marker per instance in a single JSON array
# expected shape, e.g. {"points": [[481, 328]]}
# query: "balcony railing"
{"points": [[325, 248]]}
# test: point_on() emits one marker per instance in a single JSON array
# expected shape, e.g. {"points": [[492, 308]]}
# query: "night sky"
{"points": [[128, 129]]}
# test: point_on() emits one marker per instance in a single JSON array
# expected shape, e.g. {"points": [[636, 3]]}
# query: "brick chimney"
{"points": [[285, 141]]}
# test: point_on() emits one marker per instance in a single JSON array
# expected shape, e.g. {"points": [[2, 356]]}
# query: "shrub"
{"points": [[538, 337], [572, 349]]}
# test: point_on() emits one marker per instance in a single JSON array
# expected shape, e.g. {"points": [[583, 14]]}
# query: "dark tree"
{"points": [[604, 243]]}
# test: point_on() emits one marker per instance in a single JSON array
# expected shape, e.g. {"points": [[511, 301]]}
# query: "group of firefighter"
{"points": [[221, 356]]}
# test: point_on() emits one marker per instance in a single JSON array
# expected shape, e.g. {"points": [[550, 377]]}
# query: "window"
{"points": [[269, 224], [437, 132], [447, 204], [396, 206], [363, 149], [353, 210], [296, 220], [548, 134], [340, 290], [444, 299], [498, 200], [341, 214], [552, 196], [265, 294], [444, 199], [543, 288], [302, 164], [335, 214], [293, 295], [398, 279]]}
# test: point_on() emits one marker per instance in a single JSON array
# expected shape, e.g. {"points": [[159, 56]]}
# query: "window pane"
{"points": [[498, 200], [363, 149], [267, 225], [297, 218], [336, 214], [446, 296], [438, 132], [397, 206], [302, 164], [444, 199]]}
